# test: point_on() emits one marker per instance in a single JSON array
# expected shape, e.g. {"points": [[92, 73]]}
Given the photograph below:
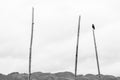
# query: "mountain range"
{"points": [[54, 76]]}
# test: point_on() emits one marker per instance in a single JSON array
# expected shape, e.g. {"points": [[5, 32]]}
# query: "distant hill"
{"points": [[55, 76]]}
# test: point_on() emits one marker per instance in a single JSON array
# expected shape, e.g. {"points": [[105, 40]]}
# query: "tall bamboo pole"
{"points": [[96, 52], [77, 45], [31, 41]]}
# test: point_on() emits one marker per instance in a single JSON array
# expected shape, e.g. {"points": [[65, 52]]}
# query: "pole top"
{"points": [[80, 16]]}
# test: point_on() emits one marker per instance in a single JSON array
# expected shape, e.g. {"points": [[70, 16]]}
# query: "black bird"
{"points": [[93, 26]]}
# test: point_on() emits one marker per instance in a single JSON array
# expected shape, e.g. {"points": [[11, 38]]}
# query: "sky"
{"points": [[55, 32]]}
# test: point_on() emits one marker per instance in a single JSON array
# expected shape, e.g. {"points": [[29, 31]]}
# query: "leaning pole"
{"points": [[77, 45], [30, 49], [96, 52]]}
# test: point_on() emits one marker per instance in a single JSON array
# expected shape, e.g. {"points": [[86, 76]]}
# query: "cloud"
{"points": [[60, 55]]}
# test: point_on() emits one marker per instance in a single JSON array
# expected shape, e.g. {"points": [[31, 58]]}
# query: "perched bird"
{"points": [[93, 26]]}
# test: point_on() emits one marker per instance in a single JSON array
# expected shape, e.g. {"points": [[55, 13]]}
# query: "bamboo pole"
{"points": [[96, 52], [30, 49], [77, 45]]}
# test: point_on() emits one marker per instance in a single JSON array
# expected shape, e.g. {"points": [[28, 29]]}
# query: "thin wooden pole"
{"points": [[97, 59], [31, 41], [77, 45]]}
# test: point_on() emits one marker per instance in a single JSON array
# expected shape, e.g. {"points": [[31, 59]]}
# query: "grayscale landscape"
{"points": [[59, 39]]}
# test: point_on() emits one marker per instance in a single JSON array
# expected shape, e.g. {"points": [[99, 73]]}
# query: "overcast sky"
{"points": [[55, 32]]}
